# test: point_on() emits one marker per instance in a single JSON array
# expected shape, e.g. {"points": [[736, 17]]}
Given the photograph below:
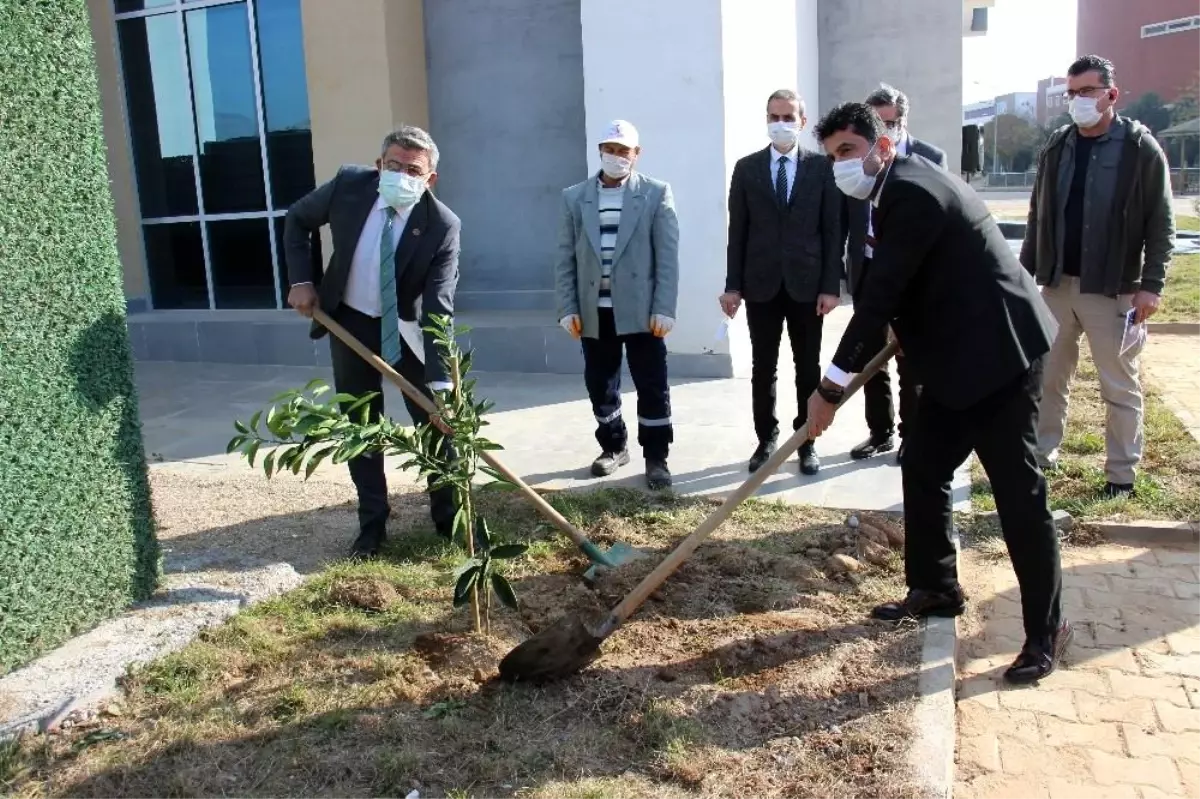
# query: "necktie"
{"points": [[781, 181], [389, 318], [871, 224]]}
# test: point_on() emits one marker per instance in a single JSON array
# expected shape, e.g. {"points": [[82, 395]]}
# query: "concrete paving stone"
{"points": [[1189, 770], [1099, 709], [1023, 759], [1056, 702], [1087, 580], [1093, 682], [1135, 637], [1186, 589], [1192, 688], [976, 666], [1064, 788], [1091, 658], [1185, 642], [1177, 719], [1156, 771], [981, 690], [1020, 724], [1140, 585], [1146, 742], [1171, 556], [1002, 786], [1056, 732], [1132, 686], [978, 753], [1181, 665], [1154, 604]]}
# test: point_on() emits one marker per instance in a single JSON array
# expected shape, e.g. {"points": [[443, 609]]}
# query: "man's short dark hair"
{"points": [[889, 95], [1093, 63], [788, 95], [858, 118]]}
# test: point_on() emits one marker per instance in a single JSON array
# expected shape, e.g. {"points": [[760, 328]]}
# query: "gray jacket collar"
{"points": [[632, 205]]}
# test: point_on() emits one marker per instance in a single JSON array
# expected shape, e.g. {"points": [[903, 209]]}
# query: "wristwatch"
{"points": [[831, 395]]}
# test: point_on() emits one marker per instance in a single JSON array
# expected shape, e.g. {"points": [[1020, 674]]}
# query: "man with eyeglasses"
{"points": [[891, 105], [1099, 239], [395, 262]]}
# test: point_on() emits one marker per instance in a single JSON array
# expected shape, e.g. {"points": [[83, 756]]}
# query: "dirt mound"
{"points": [[363, 593]]}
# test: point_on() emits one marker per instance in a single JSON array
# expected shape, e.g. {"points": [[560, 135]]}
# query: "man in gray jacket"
{"points": [[617, 279], [1099, 239]]}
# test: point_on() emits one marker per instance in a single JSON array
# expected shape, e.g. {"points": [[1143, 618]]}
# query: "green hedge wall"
{"points": [[76, 533]]}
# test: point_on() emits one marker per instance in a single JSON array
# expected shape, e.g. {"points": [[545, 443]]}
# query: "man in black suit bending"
{"points": [[892, 106], [975, 332], [394, 264]]}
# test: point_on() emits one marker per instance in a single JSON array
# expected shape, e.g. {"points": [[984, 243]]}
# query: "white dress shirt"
{"points": [[789, 167], [904, 147]]}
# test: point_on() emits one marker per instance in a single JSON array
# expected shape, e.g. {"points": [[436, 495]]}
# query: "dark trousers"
{"points": [[353, 375], [1002, 429], [877, 393], [766, 320], [647, 356]]}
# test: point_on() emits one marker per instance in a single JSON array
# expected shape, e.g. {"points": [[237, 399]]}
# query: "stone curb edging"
{"points": [[1174, 328], [935, 732], [1150, 532]]}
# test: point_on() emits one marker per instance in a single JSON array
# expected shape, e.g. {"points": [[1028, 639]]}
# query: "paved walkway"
{"points": [[545, 424], [1123, 719], [1172, 365]]}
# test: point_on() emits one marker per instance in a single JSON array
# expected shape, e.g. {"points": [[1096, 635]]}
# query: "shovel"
{"points": [[618, 554], [568, 645]]}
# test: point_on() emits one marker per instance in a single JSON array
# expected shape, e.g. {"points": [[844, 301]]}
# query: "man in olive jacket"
{"points": [[1099, 239]]}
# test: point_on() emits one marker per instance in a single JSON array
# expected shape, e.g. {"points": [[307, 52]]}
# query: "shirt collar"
{"points": [[791, 155], [878, 190]]}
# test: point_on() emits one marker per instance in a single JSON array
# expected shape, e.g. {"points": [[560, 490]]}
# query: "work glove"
{"points": [[572, 324], [661, 325]]}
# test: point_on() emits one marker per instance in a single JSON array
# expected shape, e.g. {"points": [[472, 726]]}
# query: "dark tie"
{"points": [[871, 224], [781, 181]]}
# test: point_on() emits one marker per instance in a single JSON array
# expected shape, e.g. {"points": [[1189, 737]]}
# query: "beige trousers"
{"points": [[1102, 320]]}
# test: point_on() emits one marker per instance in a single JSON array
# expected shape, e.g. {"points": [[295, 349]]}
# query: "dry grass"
{"points": [[1168, 480], [752, 672], [1187, 223]]}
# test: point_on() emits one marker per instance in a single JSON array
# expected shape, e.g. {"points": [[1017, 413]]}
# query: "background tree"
{"points": [[1150, 110], [1018, 144]]}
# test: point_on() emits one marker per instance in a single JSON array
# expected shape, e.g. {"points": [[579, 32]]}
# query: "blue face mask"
{"points": [[399, 189]]}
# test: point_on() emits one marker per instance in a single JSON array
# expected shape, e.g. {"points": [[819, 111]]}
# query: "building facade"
{"points": [[1051, 99], [220, 113], [1155, 44]]}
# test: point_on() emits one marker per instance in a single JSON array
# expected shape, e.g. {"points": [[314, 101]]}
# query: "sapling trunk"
{"points": [[468, 505]]}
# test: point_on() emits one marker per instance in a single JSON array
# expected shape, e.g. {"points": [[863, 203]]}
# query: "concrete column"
{"points": [[915, 45], [698, 109], [120, 157]]}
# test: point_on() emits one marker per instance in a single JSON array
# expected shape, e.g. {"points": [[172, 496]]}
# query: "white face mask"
{"points": [[783, 134], [851, 177], [1084, 112], [399, 189], [615, 166]]}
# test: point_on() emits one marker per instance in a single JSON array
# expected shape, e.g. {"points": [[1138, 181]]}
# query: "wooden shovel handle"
{"points": [[427, 405], [651, 582]]}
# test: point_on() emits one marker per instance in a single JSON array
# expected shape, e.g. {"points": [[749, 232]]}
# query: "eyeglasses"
{"points": [[1087, 91], [892, 124], [414, 170]]}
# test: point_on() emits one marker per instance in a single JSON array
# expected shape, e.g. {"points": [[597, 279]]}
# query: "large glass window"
{"points": [[217, 104]]}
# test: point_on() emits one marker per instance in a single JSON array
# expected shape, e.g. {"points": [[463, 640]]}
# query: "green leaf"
{"points": [[495, 475], [462, 589], [241, 428], [315, 461], [254, 420], [460, 522], [509, 551], [483, 537], [234, 443], [313, 384], [504, 591], [269, 464]]}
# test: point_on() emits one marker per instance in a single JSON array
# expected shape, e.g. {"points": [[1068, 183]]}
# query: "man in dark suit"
{"points": [[784, 260], [892, 106], [394, 262], [976, 333]]}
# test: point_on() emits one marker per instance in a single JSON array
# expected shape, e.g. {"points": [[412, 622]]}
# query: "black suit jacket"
{"points": [[856, 216], [798, 245], [426, 255], [968, 316]]}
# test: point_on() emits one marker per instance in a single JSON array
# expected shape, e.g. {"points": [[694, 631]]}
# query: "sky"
{"points": [[1027, 40]]}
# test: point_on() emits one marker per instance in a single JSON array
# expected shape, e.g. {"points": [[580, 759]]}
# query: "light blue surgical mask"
{"points": [[400, 190]]}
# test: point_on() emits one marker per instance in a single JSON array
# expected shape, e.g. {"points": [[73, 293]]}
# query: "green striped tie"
{"points": [[390, 348]]}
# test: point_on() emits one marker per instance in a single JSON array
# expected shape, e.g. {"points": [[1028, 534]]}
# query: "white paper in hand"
{"points": [[1134, 334], [723, 330]]}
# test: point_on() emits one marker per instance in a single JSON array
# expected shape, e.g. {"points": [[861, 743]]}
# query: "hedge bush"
{"points": [[76, 533]]}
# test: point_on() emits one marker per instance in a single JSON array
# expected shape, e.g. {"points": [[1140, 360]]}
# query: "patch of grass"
{"points": [[1167, 485], [1181, 296], [1187, 223], [364, 680]]}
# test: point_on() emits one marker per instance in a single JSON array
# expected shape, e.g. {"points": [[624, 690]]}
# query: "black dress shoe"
{"points": [[1039, 659], [875, 445], [609, 462], [658, 476], [1116, 490], [761, 455], [919, 604], [810, 463], [366, 546]]}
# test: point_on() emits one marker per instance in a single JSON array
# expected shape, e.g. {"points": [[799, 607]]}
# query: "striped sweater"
{"points": [[610, 222]]}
